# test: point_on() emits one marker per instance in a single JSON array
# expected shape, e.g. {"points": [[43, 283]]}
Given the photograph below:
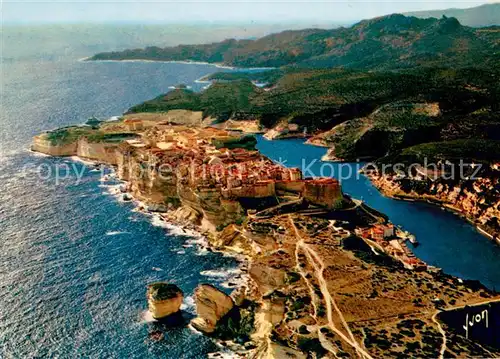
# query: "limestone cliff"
{"points": [[164, 299], [247, 126], [234, 239], [211, 306], [43, 145], [284, 130], [477, 199], [97, 150]]}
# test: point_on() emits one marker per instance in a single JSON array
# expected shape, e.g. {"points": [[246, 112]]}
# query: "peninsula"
{"points": [[395, 87], [326, 274]]}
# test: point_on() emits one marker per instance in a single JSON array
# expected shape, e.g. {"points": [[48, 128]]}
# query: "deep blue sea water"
{"points": [[74, 261], [446, 240]]}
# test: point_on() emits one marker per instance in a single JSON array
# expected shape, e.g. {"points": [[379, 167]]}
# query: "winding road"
{"points": [[319, 267]]}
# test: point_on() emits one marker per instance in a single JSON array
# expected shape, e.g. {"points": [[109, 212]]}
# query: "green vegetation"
{"points": [[221, 100], [247, 141], [419, 81], [292, 277], [303, 330], [311, 345], [238, 324], [67, 135], [93, 122], [467, 150], [320, 99], [477, 150], [163, 291], [266, 76], [388, 42]]}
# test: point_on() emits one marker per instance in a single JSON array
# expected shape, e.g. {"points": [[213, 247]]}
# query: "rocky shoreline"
{"points": [[311, 283], [459, 205]]}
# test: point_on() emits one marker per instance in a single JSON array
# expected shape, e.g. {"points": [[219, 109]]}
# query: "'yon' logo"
{"points": [[476, 319]]}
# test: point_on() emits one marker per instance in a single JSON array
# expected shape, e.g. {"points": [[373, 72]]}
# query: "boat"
{"points": [[412, 239]]}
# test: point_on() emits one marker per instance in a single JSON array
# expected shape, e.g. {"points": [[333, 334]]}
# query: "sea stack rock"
{"points": [[164, 299], [211, 306]]}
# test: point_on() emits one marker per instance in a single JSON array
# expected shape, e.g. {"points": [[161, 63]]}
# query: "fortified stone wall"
{"points": [[323, 192], [290, 186], [257, 190]]}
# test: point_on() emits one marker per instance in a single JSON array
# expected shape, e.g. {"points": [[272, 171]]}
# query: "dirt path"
{"points": [[319, 267], [443, 333]]}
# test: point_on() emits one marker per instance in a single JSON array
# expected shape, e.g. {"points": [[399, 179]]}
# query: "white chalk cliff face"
{"points": [[164, 299], [211, 306]]}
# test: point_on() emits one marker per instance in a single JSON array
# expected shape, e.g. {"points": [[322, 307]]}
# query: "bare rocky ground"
{"points": [[324, 292]]}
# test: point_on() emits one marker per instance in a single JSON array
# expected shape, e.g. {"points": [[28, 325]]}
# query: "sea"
{"points": [[75, 259]]}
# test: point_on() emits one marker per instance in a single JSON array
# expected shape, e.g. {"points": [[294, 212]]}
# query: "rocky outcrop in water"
{"points": [[164, 299], [211, 306]]}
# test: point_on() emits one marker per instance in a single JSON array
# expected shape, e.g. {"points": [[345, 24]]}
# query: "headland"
{"points": [[326, 274]]}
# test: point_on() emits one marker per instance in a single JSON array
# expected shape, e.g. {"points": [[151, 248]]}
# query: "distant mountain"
{"points": [[388, 42], [480, 16]]}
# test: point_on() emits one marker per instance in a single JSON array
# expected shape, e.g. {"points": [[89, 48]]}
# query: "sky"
{"points": [[235, 11]]}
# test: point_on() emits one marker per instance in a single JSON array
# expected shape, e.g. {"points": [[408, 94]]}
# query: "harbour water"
{"points": [[446, 240], [74, 260]]}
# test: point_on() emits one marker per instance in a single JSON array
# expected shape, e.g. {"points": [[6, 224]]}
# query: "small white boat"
{"points": [[412, 239]]}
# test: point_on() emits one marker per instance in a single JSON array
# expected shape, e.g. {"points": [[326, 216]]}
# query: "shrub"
{"points": [[303, 330]]}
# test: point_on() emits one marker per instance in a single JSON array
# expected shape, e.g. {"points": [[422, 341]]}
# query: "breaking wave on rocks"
{"points": [[188, 305]]}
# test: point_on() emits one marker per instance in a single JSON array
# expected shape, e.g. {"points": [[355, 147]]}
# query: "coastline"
{"points": [[185, 62], [243, 259], [443, 205], [218, 65], [265, 266], [409, 198]]}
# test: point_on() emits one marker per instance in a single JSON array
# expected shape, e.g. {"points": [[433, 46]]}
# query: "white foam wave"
{"points": [[38, 154], [115, 233], [221, 273], [113, 118], [112, 189], [158, 221], [188, 305], [221, 355], [84, 161], [200, 242], [147, 317], [202, 251]]}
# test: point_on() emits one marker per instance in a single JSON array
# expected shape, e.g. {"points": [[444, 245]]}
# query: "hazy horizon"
{"points": [[323, 13]]}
